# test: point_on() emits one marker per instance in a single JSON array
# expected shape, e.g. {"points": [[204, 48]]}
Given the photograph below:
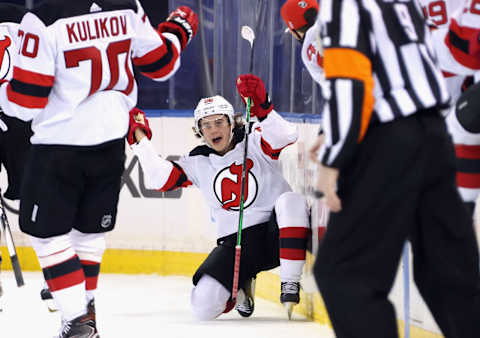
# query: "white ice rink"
{"points": [[145, 306]]}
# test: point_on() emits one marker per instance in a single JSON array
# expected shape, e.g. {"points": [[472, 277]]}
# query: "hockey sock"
{"points": [[293, 246]]}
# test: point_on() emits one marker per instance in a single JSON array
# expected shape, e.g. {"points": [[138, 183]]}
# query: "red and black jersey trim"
{"points": [[269, 151], [64, 275], [29, 89], [458, 42], [177, 179], [462, 42], [159, 62]]}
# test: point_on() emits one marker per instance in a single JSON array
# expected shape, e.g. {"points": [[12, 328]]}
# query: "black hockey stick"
{"points": [[10, 245], [249, 35]]}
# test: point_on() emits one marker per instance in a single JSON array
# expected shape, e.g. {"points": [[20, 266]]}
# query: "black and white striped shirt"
{"points": [[379, 64]]}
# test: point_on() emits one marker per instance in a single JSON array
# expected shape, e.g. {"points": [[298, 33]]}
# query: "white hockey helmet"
{"points": [[212, 106]]}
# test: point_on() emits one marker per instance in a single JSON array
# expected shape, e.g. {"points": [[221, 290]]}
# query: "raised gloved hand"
{"points": [[252, 86], [137, 120], [183, 22]]}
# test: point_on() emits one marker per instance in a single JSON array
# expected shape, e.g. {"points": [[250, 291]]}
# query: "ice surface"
{"points": [[145, 306]]}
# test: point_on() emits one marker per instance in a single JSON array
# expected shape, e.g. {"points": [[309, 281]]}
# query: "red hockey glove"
{"points": [[252, 86], [183, 22], [137, 120]]}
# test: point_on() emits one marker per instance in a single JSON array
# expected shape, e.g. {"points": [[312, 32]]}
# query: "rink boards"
{"points": [[171, 233]]}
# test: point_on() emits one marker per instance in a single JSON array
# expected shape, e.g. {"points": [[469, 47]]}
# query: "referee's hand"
{"points": [[327, 183]]}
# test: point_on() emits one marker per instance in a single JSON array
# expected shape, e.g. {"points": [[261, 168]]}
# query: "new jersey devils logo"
{"points": [[227, 186], [5, 42]]}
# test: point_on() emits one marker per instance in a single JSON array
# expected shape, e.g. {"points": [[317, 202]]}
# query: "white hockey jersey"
{"points": [[455, 39], [73, 76], [219, 177], [312, 54]]}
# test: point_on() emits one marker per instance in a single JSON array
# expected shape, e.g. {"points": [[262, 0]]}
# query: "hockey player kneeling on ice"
{"points": [[275, 223]]}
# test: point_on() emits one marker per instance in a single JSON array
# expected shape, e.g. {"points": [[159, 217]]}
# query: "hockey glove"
{"points": [[137, 120], [252, 86], [183, 22]]}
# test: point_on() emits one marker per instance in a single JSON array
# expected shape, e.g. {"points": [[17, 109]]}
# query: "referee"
{"points": [[388, 175]]}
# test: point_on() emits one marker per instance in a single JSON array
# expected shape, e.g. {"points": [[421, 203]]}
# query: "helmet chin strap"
{"points": [[299, 38]]}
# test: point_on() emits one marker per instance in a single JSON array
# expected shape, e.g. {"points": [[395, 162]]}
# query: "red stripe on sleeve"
{"points": [[151, 57], [26, 101], [172, 181], [269, 151], [470, 59], [168, 68], [34, 78]]}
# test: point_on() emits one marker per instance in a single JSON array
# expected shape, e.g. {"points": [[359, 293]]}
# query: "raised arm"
{"points": [[160, 174]]}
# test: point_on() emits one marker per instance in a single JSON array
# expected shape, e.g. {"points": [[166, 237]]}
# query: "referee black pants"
{"points": [[401, 185]]}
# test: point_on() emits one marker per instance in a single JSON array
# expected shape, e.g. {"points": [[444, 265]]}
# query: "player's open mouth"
{"points": [[217, 140]]}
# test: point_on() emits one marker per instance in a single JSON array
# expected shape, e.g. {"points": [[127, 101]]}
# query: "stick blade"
{"points": [[248, 34]]}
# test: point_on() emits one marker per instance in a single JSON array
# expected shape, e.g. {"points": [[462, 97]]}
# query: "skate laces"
{"points": [[244, 302], [66, 325], [244, 306], [290, 287]]}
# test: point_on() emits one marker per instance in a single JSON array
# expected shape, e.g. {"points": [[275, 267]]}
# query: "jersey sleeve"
{"points": [[33, 73], [463, 37], [159, 173], [273, 134], [157, 55], [348, 72], [312, 54]]}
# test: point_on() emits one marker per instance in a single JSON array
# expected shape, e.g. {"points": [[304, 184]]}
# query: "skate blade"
{"points": [[52, 307], [289, 306]]}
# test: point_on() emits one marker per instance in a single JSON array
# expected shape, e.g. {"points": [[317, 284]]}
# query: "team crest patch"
{"points": [[5, 58], [227, 186], [106, 221]]}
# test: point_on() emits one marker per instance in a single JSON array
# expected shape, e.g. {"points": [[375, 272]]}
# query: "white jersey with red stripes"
{"points": [[455, 38], [218, 177], [74, 77]]}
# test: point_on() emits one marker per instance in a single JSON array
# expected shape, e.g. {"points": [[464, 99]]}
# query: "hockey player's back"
{"points": [[73, 78], [75, 69]]}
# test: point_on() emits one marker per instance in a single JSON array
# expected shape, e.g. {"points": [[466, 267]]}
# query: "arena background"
{"points": [[170, 233]]}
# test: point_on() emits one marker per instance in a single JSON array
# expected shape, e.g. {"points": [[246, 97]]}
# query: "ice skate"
{"points": [[91, 311], [290, 296], [246, 300], [47, 297], [80, 327]]}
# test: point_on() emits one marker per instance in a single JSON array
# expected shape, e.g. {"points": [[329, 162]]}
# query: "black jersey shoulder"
{"points": [[202, 150], [11, 13], [50, 11]]}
